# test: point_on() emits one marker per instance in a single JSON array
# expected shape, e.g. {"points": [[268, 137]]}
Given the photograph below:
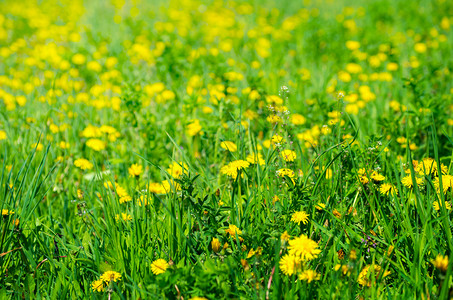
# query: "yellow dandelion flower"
{"points": [[111, 276], [6, 212], [98, 285], [304, 248], [83, 164], [309, 276], [388, 188], [300, 216], [364, 276], [215, 245], [440, 262], [194, 128], [3, 135], [285, 172], [407, 181], [288, 155], [233, 230], [96, 144], [437, 205], [256, 159], [159, 266], [289, 264], [135, 170], [124, 216], [230, 146]]}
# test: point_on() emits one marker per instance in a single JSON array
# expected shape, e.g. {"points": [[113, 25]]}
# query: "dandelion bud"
{"points": [[215, 244]]}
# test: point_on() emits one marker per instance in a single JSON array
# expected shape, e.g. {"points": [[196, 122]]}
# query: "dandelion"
{"points": [[256, 159], [285, 172], [3, 135], [177, 169], [364, 276], [447, 182], [230, 146], [96, 144], [83, 164], [38, 146], [437, 205], [309, 275], [285, 236], [304, 248], [387, 188], [440, 262], [124, 216], [215, 245], [288, 155], [377, 177], [159, 266], [300, 216], [233, 230], [407, 181], [135, 170], [142, 200], [320, 206], [289, 264], [98, 285], [6, 212], [298, 119], [194, 128], [110, 276]]}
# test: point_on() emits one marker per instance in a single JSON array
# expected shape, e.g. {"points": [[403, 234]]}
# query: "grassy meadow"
{"points": [[198, 149]]}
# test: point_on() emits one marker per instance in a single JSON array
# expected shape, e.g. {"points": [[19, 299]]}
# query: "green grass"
{"points": [[163, 85]]}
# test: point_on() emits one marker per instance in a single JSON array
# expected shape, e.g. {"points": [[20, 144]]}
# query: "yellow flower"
{"points": [[285, 236], [440, 262], [288, 155], [447, 182], [177, 169], [300, 216], [38, 146], [364, 276], [142, 200], [230, 146], [98, 285], [3, 135], [159, 266], [437, 206], [274, 119], [6, 212], [96, 144], [124, 216], [420, 47], [320, 206], [297, 119], [194, 127], [256, 159], [135, 170], [304, 248], [285, 172], [387, 188], [377, 177], [352, 45], [233, 230], [407, 181], [233, 167], [83, 164], [215, 245], [309, 275], [289, 264], [110, 276]]}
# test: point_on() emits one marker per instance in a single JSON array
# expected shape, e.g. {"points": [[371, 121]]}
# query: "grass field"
{"points": [[226, 149]]}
